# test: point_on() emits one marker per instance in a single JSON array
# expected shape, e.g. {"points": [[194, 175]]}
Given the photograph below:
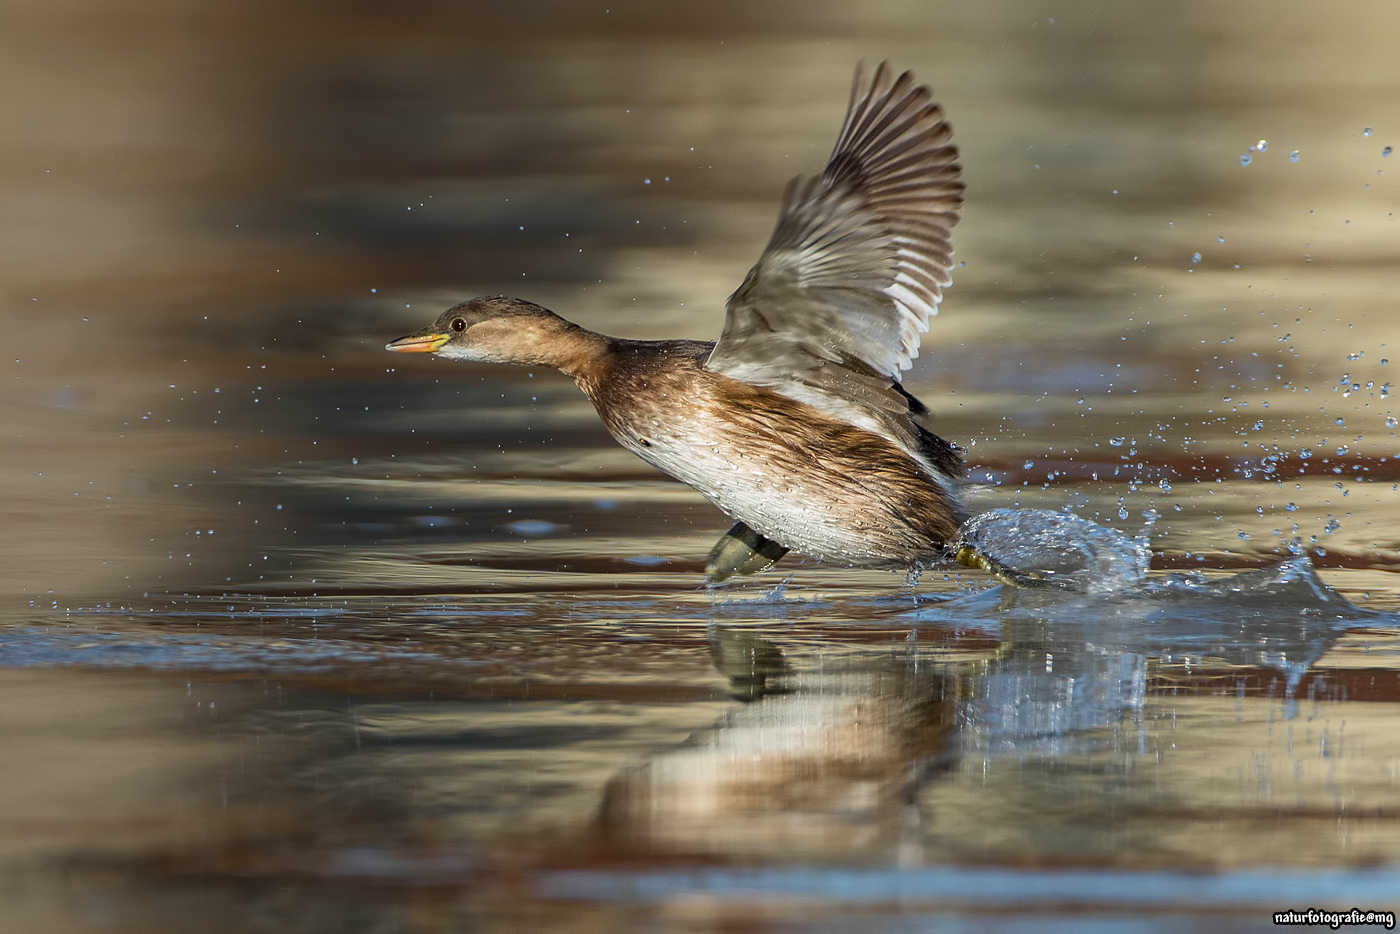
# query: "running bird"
{"points": [[794, 423]]}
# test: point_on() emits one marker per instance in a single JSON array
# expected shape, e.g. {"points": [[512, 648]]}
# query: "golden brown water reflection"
{"points": [[299, 636]]}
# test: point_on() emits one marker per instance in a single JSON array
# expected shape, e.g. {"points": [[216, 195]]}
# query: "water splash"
{"points": [[777, 599], [1291, 585], [1041, 547]]}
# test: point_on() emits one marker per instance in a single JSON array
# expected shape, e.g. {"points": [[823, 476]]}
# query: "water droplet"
{"points": [[1305, 453], [1246, 159], [1242, 533], [1291, 507], [1164, 485], [1386, 151], [1195, 257], [1028, 465], [1366, 132], [1122, 512], [1262, 146], [1116, 442], [1391, 421], [1293, 156], [1332, 526]]}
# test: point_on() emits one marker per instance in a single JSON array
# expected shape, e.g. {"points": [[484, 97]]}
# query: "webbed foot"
{"points": [[1041, 548], [970, 557]]}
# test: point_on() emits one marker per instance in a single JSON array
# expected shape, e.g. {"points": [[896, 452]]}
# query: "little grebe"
{"points": [[794, 423]]}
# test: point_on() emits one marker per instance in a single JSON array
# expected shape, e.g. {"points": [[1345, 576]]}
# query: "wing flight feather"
{"points": [[835, 307]]}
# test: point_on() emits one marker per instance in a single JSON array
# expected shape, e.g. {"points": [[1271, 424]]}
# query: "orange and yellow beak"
{"points": [[422, 342]]}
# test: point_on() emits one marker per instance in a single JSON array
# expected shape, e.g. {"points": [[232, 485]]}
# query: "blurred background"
{"points": [[1175, 294], [215, 216]]}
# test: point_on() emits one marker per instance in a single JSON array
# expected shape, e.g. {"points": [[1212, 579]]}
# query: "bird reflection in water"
{"points": [[836, 751], [823, 757]]}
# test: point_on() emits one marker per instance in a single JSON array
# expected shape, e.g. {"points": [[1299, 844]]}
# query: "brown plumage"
{"points": [[794, 422]]}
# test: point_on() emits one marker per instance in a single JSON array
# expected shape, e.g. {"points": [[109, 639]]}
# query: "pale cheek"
{"points": [[466, 353]]}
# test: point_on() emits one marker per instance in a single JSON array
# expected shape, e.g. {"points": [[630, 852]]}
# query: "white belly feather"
{"points": [[834, 525]]}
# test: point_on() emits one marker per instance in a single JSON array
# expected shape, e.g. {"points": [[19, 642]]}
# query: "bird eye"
{"points": [[459, 325]]}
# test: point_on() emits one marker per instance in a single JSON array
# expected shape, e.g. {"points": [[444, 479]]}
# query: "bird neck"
{"points": [[575, 351]]}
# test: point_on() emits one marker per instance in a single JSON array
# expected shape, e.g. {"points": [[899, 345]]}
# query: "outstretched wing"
{"points": [[836, 305]]}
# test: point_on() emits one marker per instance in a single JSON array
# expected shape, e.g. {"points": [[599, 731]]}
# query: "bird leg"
{"points": [[741, 550]]}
